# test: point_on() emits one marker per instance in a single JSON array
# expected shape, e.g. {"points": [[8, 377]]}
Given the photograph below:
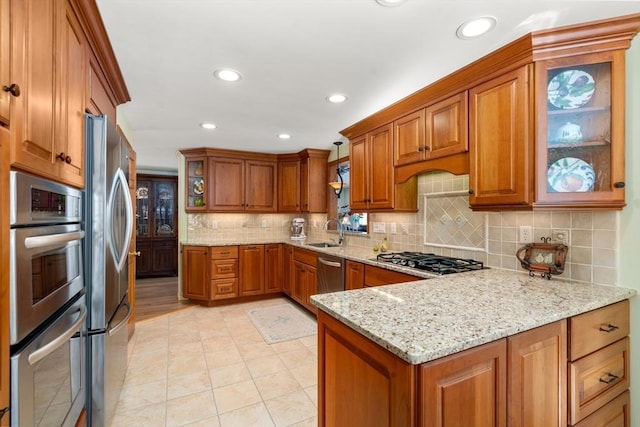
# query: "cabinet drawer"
{"points": [[306, 257], [613, 414], [224, 268], [598, 328], [224, 288], [597, 378], [224, 252]]}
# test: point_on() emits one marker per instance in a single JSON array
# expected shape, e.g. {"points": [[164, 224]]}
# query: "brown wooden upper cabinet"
{"points": [[5, 61], [501, 141], [237, 184], [438, 130], [49, 65], [372, 185], [289, 183]]}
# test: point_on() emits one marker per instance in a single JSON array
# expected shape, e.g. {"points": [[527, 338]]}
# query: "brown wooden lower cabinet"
{"points": [[305, 278], [520, 380], [289, 269], [273, 268], [251, 270], [613, 414], [195, 272], [376, 276], [353, 275], [360, 384], [465, 389]]}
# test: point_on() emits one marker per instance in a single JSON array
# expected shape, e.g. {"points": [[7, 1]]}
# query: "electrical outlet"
{"points": [[560, 236], [263, 223], [379, 227], [213, 224], [526, 234], [393, 228], [405, 228]]}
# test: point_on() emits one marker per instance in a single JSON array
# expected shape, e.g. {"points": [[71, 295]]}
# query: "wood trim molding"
{"points": [[93, 26]]}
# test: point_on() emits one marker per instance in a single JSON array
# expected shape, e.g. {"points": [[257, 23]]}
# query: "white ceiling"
{"points": [[291, 55]]}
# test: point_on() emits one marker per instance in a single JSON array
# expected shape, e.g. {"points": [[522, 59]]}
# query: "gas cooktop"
{"points": [[437, 264]]}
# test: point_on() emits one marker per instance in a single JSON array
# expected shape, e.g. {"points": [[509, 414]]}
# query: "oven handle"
{"points": [[53, 345], [52, 239], [122, 323]]}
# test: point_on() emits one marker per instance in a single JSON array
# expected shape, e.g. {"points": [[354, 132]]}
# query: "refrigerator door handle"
{"points": [[122, 323], [119, 254], [52, 345]]}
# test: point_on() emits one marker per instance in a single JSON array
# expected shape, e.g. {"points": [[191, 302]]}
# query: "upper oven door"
{"points": [[45, 273]]}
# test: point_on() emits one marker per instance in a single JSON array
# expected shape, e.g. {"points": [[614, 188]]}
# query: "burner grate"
{"points": [[431, 262]]}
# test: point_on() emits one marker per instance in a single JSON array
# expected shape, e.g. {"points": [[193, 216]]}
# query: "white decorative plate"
{"points": [[570, 89], [571, 175], [198, 186]]}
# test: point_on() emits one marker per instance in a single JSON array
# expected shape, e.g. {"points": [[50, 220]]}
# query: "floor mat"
{"points": [[282, 322]]}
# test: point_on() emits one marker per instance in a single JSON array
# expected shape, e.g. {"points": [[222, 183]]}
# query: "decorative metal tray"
{"points": [[544, 258]]}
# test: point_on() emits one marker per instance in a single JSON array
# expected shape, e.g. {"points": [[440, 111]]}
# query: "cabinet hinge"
{"points": [[3, 411]]}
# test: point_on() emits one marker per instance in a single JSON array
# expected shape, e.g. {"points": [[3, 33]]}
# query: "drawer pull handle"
{"points": [[224, 253], [608, 328], [609, 379]]}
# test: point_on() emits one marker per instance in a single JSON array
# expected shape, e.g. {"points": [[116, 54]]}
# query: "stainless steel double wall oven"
{"points": [[47, 304]]}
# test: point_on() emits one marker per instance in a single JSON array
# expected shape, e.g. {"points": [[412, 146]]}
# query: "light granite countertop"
{"points": [[366, 256], [428, 319]]}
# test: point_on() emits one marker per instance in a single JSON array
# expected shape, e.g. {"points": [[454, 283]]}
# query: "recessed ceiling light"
{"points": [[390, 3], [207, 126], [336, 98], [284, 136], [476, 27], [227, 75]]}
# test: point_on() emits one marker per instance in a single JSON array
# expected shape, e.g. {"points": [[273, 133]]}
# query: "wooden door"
{"points": [[289, 270], [195, 272], [359, 174], [33, 62], [261, 186], [299, 278], [466, 389], [354, 275], [409, 142], [273, 267], [251, 270], [537, 381], [226, 184], [71, 72], [381, 188], [501, 141], [4, 275], [310, 287], [446, 127], [289, 186], [5, 61], [360, 384], [133, 255]]}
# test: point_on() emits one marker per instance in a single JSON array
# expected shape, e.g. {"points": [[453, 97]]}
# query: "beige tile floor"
{"points": [[210, 367]]}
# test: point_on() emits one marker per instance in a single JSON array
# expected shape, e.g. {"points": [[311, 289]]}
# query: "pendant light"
{"points": [[337, 186]]}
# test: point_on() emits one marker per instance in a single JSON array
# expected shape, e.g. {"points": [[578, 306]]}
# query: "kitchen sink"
{"points": [[323, 245]]}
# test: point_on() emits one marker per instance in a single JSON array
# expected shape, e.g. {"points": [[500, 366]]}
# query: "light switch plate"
{"points": [[393, 228]]}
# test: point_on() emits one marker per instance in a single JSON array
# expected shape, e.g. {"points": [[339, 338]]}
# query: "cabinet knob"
{"points": [[137, 253], [13, 89], [471, 191], [421, 148], [619, 184], [64, 158]]}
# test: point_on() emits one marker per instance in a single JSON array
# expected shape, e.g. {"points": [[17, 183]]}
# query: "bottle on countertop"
{"points": [[384, 246]]}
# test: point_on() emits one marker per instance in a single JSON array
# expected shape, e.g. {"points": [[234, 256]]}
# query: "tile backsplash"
{"points": [[593, 235]]}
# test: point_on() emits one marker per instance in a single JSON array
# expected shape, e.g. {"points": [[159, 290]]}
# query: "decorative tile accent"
{"points": [[448, 222]]}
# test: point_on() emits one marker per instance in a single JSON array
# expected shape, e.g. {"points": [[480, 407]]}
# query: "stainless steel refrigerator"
{"points": [[109, 223]]}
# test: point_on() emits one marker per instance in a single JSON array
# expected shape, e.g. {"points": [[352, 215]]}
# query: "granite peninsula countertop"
{"points": [[428, 319]]}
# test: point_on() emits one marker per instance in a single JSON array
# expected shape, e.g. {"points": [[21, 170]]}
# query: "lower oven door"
{"points": [[45, 274], [48, 374]]}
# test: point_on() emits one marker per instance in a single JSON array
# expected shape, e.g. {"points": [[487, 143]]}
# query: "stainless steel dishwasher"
{"points": [[330, 273]]}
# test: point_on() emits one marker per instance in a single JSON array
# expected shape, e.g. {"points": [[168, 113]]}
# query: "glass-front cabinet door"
{"points": [[196, 184], [165, 215], [580, 141], [142, 208]]}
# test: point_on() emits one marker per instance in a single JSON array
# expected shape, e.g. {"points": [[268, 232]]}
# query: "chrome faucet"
{"points": [[340, 228]]}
